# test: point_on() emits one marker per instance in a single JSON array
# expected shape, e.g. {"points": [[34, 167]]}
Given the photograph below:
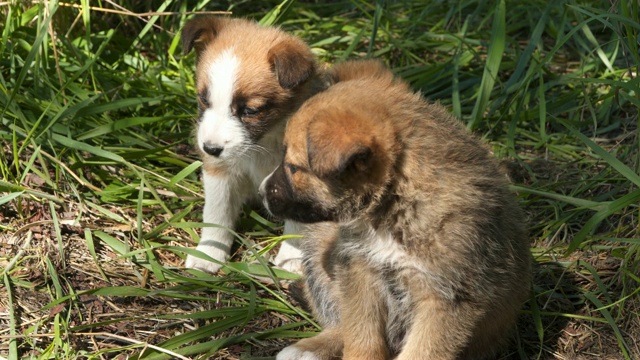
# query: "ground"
{"points": [[572, 325]]}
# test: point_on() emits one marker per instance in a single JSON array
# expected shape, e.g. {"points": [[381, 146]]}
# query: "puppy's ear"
{"points": [[292, 62], [200, 31], [334, 150]]}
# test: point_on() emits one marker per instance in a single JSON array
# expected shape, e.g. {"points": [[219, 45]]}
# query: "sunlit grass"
{"points": [[100, 197]]}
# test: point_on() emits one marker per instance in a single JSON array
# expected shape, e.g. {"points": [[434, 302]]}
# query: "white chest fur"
{"points": [[378, 247]]}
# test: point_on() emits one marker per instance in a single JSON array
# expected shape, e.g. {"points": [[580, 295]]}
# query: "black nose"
{"points": [[211, 149]]}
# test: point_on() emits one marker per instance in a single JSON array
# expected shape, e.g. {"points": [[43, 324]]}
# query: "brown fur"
{"points": [[431, 259], [276, 73]]}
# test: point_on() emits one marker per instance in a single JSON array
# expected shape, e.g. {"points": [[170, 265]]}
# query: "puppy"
{"points": [[250, 79], [431, 258]]}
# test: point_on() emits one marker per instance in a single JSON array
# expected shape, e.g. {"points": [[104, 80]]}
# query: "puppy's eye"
{"points": [[292, 168], [203, 99], [249, 111]]}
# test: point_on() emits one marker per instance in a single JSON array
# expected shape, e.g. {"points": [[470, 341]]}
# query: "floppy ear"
{"points": [[292, 61], [334, 150], [200, 31]]}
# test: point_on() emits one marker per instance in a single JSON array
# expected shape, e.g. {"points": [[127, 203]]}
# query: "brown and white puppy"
{"points": [[250, 79], [431, 258]]}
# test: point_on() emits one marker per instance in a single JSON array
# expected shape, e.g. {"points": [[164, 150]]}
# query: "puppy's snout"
{"points": [[267, 188], [212, 149], [271, 192]]}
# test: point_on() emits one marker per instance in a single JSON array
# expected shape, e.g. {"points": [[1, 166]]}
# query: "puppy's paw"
{"points": [[291, 265], [294, 353], [289, 257], [197, 263], [327, 345], [193, 262]]}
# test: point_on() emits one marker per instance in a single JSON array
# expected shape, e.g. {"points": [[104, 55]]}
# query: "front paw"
{"points": [[294, 353], [197, 263], [291, 265], [193, 262], [325, 346], [290, 256]]}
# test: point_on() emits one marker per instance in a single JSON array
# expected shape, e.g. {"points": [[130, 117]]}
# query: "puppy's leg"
{"points": [[223, 200], [320, 262], [441, 329], [325, 346], [290, 256], [363, 313]]}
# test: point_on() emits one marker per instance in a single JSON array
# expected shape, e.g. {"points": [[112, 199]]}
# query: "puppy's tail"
{"points": [[360, 70]]}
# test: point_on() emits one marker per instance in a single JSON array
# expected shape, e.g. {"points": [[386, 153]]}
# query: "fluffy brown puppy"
{"points": [[431, 258], [250, 79]]}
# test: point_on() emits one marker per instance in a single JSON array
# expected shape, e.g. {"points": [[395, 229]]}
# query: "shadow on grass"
{"points": [[542, 326]]}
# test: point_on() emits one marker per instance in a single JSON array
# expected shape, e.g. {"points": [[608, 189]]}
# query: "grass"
{"points": [[100, 198]]}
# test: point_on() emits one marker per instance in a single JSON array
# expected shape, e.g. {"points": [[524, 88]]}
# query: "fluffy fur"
{"points": [[250, 79], [430, 258]]}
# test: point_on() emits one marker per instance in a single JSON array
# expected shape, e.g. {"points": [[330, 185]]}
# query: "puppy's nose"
{"points": [[212, 149]]}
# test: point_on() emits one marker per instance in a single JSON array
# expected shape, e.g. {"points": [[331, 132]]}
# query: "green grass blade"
{"points": [[31, 57], [6, 198], [115, 244], [185, 172], [624, 347], [494, 58], [631, 199], [515, 80], [70, 143], [13, 340], [275, 15], [117, 105], [587, 204], [605, 155], [5, 186], [377, 15], [92, 250], [108, 213], [118, 125]]}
